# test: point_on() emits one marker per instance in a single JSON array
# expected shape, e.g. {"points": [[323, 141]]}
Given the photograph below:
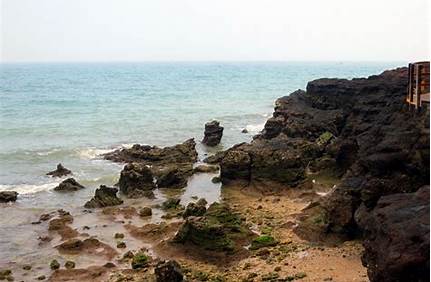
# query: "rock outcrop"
{"points": [[69, 185], [8, 196], [359, 130], [213, 133], [170, 167], [135, 179], [219, 229], [168, 271], [104, 197], [155, 156], [397, 244], [59, 171]]}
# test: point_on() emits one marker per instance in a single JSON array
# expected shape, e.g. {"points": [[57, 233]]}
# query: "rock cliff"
{"points": [[359, 130]]}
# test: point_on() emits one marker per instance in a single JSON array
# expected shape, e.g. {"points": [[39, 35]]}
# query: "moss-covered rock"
{"points": [[263, 241], [54, 265], [171, 204], [193, 209], [216, 230], [140, 260], [104, 197]]}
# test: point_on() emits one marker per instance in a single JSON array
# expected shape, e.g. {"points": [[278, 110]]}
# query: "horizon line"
{"points": [[207, 61]]}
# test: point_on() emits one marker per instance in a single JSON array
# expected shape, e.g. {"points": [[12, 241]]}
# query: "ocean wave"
{"points": [[255, 128], [29, 188], [91, 153]]}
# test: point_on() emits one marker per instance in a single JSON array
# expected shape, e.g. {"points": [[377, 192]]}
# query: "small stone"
{"points": [[168, 271], [42, 277], [244, 130], [145, 211], [54, 264], [119, 236], [216, 179], [45, 217], [128, 255], [109, 265], [121, 245], [26, 267], [140, 260], [277, 268], [69, 264]]}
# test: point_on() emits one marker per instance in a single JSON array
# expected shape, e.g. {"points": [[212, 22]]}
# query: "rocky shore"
{"points": [[340, 173]]}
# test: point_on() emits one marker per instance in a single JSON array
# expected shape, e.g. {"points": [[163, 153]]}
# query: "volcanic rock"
{"points": [[135, 178], [69, 185], [213, 133], [59, 172], [218, 229], [155, 156], [168, 271], [104, 197], [8, 196], [397, 236]]}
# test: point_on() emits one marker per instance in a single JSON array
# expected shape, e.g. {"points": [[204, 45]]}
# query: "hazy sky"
{"points": [[212, 30]]}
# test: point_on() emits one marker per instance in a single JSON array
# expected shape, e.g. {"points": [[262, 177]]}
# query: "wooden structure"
{"points": [[418, 91]]}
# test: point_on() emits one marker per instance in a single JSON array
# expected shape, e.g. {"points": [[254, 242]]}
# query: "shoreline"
{"points": [[246, 171]]}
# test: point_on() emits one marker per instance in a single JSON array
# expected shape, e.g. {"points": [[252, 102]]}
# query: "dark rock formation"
{"points": [[213, 133], [69, 185], [59, 172], [362, 131], [397, 244], [359, 129], [168, 271], [193, 209], [219, 229], [205, 169], [8, 196], [170, 166], [135, 178], [104, 197], [174, 176], [155, 156]]}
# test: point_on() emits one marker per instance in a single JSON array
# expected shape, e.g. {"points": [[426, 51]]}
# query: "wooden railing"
{"points": [[418, 91]]}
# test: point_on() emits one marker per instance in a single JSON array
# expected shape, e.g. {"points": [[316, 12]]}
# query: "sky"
{"points": [[214, 30]]}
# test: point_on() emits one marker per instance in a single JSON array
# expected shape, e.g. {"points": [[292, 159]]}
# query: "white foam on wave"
{"points": [[255, 128], [23, 189], [92, 153]]}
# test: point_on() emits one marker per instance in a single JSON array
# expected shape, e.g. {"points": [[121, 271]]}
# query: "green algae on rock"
{"points": [[217, 230], [140, 260], [263, 241]]}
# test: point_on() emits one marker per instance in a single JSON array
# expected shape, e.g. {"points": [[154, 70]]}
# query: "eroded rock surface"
{"points": [[213, 133], [59, 172], [150, 167], [69, 185], [397, 240], [219, 229], [8, 196], [135, 179], [104, 197]]}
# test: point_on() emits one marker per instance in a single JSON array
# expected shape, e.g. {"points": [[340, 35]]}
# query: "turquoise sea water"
{"points": [[70, 113]]}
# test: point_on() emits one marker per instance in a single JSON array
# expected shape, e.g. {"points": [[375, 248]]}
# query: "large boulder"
{"points": [[135, 178], [170, 167], [104, 197], [69, 185], [155, 156], [213, 133], [59, 171], [168, 271], [173, 176], [8, 196], [219, 229], [397, 237]]}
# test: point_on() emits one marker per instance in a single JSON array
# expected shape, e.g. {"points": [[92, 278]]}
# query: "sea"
{"points": [[71, 113]]}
